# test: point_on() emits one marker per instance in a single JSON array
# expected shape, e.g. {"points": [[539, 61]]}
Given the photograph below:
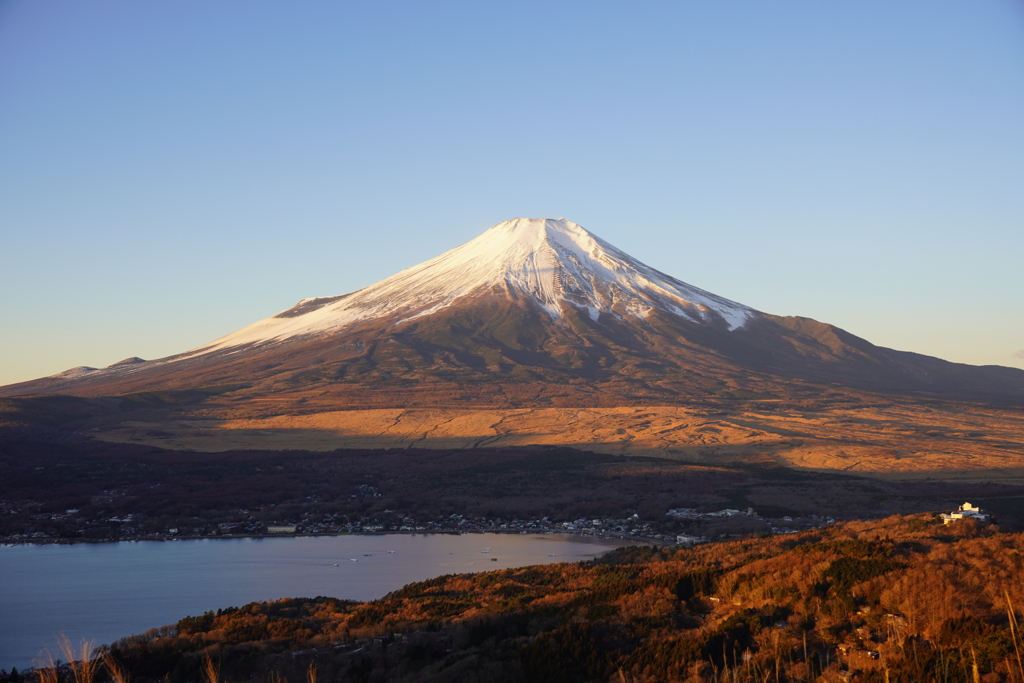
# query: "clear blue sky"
{"points": [[172, 171]]}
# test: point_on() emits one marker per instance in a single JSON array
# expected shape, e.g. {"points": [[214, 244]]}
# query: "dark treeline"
{"points": [[197, 492]]}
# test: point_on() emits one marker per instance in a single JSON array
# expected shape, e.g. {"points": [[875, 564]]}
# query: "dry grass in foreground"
{"points": [[898, 600]]}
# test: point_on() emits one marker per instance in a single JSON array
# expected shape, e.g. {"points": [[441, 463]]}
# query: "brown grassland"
{"points": [[879, 438]]}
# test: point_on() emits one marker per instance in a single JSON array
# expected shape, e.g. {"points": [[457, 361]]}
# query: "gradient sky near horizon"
{"points": [[171, 172]]}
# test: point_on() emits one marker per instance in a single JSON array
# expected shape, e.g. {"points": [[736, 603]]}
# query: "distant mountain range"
{"points": [[533, 311]]}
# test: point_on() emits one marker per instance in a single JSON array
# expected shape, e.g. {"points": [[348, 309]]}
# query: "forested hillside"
{"points": [[901, 599]]}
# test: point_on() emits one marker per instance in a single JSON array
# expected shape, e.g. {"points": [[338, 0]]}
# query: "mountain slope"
{"points": [[555, 264], [533, 310]]}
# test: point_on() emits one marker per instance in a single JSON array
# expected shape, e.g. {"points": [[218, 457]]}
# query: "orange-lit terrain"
{"points": [[932, 439]]}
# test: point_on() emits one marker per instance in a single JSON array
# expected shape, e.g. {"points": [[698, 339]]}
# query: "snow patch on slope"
{"points": [[554, 261], [126, 366], [74, 373]]}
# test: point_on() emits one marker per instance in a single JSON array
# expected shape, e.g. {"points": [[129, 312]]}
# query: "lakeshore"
{"points": [[107, 591], [627, 530]]}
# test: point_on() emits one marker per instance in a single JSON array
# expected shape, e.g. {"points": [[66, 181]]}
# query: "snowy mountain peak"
{"points": [[532, 312], [555, 262], [523, 235]]}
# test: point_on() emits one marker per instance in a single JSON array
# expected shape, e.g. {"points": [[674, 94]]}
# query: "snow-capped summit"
{"points": [[555, 262]]}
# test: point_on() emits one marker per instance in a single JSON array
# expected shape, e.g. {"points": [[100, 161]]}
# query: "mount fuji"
{"points": [[531, 312]]}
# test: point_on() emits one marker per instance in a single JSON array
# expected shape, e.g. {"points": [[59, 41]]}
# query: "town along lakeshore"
{"points": [[74, 491]]}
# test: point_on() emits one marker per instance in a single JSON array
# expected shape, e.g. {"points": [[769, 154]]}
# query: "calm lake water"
{"points": [[106, 591]]}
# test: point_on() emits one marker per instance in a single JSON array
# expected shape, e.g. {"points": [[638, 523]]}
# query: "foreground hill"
{"points": [[901, 599], [532, 311]]}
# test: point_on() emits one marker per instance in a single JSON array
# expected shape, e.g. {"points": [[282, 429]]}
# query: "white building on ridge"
{"points": [[966, 511]]}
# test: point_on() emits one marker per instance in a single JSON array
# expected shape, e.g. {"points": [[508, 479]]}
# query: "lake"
{"points": [[106, 591]]}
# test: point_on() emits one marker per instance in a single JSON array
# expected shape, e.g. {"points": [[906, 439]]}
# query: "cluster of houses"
{"points": [[690, 513], [689, 540], [776, 525]]}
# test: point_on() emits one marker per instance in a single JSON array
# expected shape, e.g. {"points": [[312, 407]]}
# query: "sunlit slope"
{"points": [[869, 438]]}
